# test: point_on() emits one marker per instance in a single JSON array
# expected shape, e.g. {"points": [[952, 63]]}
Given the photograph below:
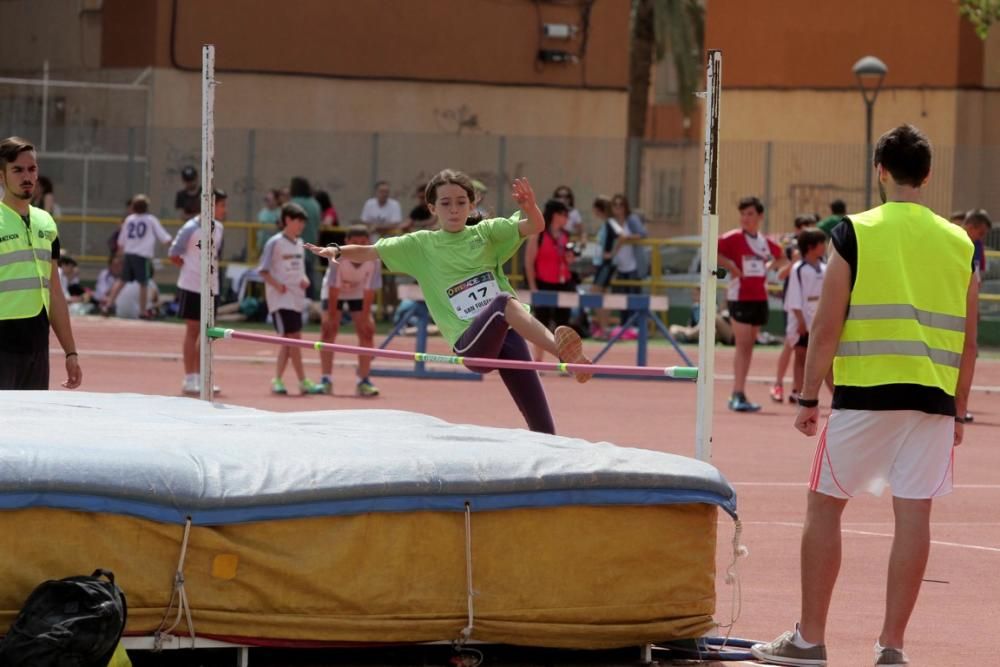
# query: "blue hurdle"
{"points": [[643, 308]]}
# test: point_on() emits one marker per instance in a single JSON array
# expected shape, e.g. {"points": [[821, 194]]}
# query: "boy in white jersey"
{"points": [[351, 286], [137, 239], [805, 284], [185, 252], [282, 266]]}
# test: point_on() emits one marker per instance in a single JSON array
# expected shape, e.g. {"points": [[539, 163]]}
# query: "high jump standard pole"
{"points": [[709, 260], [209, 265]]}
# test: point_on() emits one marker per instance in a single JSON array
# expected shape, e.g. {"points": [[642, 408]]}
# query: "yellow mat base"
{"points": [[565, 577]]}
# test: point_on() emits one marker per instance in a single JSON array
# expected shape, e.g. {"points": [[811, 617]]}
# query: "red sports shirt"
{"points": [[751, 254]]}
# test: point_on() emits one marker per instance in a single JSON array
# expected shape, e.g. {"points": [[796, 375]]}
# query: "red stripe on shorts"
{"points": [[818, 458]]}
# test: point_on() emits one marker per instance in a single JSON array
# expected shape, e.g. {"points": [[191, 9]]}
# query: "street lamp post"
{"points": [[870, 72]]}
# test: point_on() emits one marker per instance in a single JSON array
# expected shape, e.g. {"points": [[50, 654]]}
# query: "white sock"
{"points": [[799, 641], [191, 377]]}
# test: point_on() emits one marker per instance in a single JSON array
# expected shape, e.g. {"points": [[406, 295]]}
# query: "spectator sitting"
{"points": [[106, 279], [69, 277], [690, 333], [381, 214], [130, 305]]}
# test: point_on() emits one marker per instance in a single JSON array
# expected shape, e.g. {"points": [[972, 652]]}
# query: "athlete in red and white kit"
{"points": [[748, 256]]}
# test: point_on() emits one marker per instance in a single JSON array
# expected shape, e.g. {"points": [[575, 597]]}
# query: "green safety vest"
{"points": [[906, 321], [25, 262]]}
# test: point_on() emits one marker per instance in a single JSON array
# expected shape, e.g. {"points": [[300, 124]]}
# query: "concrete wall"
{"points": [[343, 105]]}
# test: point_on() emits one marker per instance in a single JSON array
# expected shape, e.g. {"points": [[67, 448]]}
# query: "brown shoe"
{"points": [[571, 350]]}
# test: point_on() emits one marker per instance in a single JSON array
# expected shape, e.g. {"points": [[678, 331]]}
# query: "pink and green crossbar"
{"points": [[672, 372]]}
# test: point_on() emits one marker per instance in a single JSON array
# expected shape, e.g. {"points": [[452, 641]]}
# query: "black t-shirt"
{"points": [[610, 236], [420, 213], [189, 202], [900, 396], [28, 334]]}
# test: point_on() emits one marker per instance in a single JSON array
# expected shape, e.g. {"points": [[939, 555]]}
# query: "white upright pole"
{"points": [[709, 260], [209, 264]]}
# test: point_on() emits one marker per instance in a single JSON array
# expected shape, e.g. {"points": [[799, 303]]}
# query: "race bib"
{"points": [[754, 267], [470, 296]]}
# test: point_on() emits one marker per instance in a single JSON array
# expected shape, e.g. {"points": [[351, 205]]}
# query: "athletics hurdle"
{"points": [[642, 307], [420, 369]]}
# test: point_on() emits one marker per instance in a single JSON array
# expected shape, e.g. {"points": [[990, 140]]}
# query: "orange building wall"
{"points": [[792, 44], [479, 41]]}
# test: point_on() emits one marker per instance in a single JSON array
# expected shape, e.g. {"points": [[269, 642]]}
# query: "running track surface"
{"points": [[761, 454]]}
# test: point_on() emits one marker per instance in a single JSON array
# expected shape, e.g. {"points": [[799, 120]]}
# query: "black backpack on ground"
{"points": [[72, 622]]}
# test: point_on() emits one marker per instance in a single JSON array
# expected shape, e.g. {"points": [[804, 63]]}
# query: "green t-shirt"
{"points": [[827, 224], [313, 215], [459, 273]]}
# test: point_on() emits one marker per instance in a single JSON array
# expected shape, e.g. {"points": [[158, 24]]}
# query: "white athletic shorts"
{"points": [[866, 450]]}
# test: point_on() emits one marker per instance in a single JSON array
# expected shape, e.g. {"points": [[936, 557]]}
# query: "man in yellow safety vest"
{"points": [[897, 321], [31, 296]]}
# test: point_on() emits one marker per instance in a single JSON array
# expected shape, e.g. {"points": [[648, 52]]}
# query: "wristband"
{"points": [[71, 354], [336, 246], [961, 420], [808, 402]]}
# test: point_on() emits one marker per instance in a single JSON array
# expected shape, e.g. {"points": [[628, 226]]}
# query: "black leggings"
{"points": [[490, 336]]}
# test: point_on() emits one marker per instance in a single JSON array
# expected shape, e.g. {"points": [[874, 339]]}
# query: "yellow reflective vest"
{"points": [[25, 262], [906, 320]]}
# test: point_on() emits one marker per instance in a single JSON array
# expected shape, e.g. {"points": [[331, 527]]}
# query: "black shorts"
{"points": [[605, 272], [749, 312], [136, 269], [353, 305], [189, 304], [25, 370], [286, 321]]}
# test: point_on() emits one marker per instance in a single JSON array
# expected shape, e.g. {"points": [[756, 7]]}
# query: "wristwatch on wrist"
{"points": [[808, 402], [962, 420], [336, 247]]}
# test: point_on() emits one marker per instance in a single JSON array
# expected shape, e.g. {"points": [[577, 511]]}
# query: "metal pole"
{"points": [[633, 169], [208, 261], [375, 175], [84, 204], [709, 260], [767, 185], [45, 105], [869, 107], [129, 176], [251, 185]]}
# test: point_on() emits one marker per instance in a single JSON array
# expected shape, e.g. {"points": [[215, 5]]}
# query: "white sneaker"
{"points": [[193, 387]]}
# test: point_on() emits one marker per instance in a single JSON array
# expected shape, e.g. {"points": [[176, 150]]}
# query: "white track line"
{"points": [[262, 357], [866, 533], [769, 380]]}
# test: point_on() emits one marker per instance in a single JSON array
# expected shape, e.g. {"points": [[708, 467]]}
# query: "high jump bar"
{"points": [[671, 372]]}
